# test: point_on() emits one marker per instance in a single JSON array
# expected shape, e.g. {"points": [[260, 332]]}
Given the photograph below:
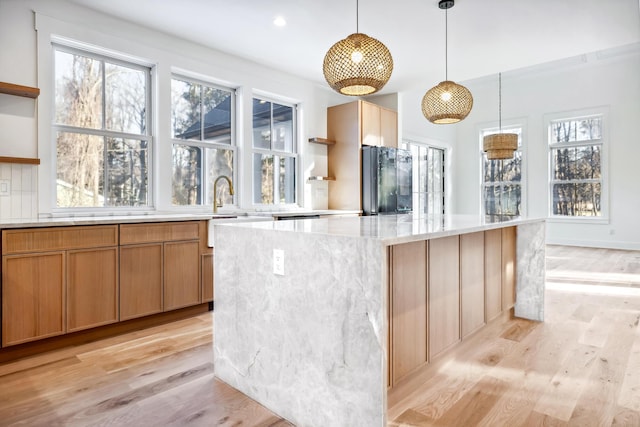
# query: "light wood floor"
{"points": [[581, 367]]}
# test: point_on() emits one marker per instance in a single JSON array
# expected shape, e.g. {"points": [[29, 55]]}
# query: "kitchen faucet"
{"points": [[215, 185]]}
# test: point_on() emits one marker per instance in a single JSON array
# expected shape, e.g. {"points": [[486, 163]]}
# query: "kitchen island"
{"points": [[319, 319]]}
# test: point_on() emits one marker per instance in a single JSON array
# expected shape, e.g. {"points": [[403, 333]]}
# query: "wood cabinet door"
{"points": [[140, 280], [32, 297], [493, 273], [508, 267], [92, 288], [181, 274], [207, 278], [444, 294], [471, 282], [370, 123], [388, 128], [408, 308]]}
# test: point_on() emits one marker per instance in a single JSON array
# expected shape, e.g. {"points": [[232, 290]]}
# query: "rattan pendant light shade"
{"points": [[448, 102], [357, 65], [500, 146]]}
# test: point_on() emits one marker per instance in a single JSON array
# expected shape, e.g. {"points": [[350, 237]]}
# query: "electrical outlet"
{"points": [[278, 262], [5, 187]]}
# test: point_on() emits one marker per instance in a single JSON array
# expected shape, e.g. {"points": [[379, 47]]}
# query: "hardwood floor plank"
{"points": [[561, 394], [630, 389], [536, 419]]}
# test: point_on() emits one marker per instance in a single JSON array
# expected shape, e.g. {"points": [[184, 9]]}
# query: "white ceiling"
{"points": [[485, 36]]}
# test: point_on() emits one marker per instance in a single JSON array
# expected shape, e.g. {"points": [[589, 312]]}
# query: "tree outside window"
{"points": [[101, 128], [274, 157], [202, 120], [502, 182], [576, 167]]}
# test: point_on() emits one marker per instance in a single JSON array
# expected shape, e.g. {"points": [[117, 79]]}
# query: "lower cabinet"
{"points": [[408, 302], [181, 274], [92, 288], [33, 305], [58, 280], [159, 267], [444, 289], [141, 275], [444, 294]]}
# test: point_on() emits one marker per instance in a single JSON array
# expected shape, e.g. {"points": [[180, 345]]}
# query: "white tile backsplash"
{"points": [[22, 203]]}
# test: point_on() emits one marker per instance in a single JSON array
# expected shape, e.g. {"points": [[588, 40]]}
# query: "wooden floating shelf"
{"points": [[18, 90], [20, 160], [322, 141], [321, 178]]}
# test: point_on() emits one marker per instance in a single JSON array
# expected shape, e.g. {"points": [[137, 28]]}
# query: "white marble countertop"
{"points": [[223, 216], [389, 229]]}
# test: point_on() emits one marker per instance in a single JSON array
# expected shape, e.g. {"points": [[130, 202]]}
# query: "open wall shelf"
{"points": [[20, 160], [322, 141], [18, 90]]}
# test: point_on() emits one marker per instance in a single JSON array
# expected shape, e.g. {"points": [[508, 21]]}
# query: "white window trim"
{"points": [[605, 143], [79, 48], [523, 149], [295, 153], [233, 146], [446, 166]]}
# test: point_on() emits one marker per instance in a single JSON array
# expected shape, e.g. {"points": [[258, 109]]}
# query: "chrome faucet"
{"points": [[215, 192]]}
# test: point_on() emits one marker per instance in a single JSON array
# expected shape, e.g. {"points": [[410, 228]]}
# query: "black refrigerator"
{"points": [[386, 180]]}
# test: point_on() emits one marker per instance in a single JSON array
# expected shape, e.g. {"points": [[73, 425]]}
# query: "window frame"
{"points": [[103, 55], [522, 150], [406, 144], [598, 112], [277, 154], [203, 144]]}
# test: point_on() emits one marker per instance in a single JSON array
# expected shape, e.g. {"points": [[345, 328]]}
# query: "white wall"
{"points": [[607, 79], [25, 58]]}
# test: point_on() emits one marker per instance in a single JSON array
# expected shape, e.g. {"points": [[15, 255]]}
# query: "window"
{"points": [[575, 146], [502, 182], [428, 178], [274, 153], [202, 122], [101, 129]]}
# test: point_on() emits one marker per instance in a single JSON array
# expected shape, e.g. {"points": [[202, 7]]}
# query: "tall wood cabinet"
{"points": [[351, 126], [58, 280]]}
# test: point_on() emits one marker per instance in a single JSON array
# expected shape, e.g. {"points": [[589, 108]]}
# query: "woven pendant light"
{"points": [[448, 102], [358, 65], [500, 146]]}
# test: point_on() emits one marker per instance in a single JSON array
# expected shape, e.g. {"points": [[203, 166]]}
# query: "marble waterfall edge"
{"points": [[530, 271], [309, 344]]}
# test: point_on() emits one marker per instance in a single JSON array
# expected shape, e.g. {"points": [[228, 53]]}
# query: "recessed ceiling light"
{"points": [[279, 21]]}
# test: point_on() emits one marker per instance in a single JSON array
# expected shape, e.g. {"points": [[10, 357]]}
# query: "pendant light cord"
{"points": [[500, 101], [357, 9], [446, 43]]}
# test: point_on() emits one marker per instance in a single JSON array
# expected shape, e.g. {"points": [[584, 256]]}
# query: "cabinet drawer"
{"points": [[159, 232], [58, 238]]}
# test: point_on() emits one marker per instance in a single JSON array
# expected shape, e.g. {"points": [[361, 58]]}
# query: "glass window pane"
{"points": [[287, 180], [261, 124], [217, 115], [491, 200], [576, 130], [577, 199], [125, 96], [185, 110], [186, 182], [78, 91], [127, 163], [79, 170], [263, 182], [219, 163], [424, 168], [283, 128]]}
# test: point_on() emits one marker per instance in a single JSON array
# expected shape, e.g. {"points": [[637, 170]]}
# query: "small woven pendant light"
{"points": [[358, 65], [500, 145], [448, 102]]}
